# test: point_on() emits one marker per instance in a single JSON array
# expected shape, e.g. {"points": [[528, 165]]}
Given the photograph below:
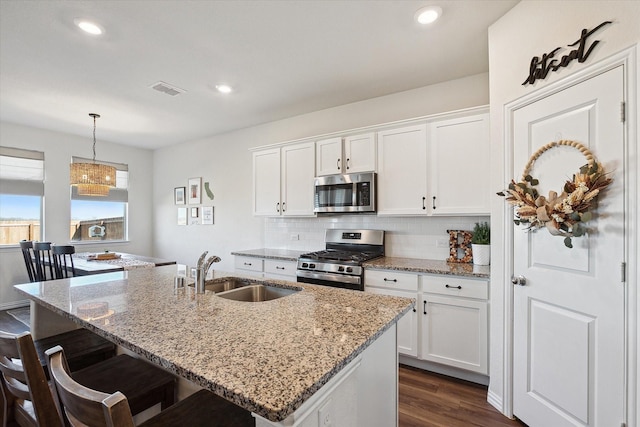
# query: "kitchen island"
{"points": [[320, 352]]}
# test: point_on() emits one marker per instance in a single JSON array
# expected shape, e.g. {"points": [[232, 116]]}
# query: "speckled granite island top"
{"points": [[429, 266], [267, 357], [279, 254]]}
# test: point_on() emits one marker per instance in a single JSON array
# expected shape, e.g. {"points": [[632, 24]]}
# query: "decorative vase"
{"points": [[481, 254]]}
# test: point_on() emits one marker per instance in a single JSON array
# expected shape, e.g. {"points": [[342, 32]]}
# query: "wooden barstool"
{"points": [[85, 406], [63, 261], [22, 380]]}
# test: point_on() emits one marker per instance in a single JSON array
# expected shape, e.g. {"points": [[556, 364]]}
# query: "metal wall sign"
{"points": [[541, 66]]}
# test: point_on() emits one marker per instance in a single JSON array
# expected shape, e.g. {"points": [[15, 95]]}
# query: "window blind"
{"points": [[21, 171]]}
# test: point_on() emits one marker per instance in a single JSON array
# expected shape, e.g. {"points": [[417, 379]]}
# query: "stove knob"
{"points": [[312, 266], [305, 265], [340, 268], [349, 270]]}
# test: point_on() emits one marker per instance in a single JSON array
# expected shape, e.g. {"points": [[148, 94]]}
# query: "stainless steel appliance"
{"points": [[340, 264], [345, 193]]}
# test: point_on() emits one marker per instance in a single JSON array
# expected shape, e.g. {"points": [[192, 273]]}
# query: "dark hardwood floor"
{"points": [[426, 399], [432, 400]]}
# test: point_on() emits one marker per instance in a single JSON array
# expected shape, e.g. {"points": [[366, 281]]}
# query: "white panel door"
{"points": [[569, 315], [360, 153], [407, 325], [329, 156]]}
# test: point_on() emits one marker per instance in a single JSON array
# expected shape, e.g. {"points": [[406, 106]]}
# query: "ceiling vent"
{"points": [[167, 88]]}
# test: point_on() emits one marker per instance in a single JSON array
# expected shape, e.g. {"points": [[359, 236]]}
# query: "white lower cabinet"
{"points": [[450, 325], [281, 270], [454, 322], [248, 265]]}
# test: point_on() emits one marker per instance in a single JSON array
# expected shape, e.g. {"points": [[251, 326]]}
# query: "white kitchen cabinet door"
{"points": [[360, 153], [454, 332], [402, 171], [329, 156], [298, 173], [407, 326], [459, 156], [266, 182]]}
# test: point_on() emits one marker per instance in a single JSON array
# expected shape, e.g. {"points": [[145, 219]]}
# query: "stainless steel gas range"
{"points": [[340, 264]]}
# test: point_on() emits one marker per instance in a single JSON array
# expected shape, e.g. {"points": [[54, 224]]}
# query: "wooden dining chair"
{"points": [[42, 255], [146, 384], [63, 261], [85, 406], [29, 258]]}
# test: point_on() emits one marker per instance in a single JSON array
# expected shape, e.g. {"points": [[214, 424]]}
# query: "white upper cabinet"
{"points": [[283, 180], [360, 153], [352, 154], [329, 156], [298, 173], [266, 182], [402, 171], [459, 160]]}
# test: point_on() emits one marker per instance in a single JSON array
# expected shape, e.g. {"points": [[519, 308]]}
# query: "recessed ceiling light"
{"points": [[428, 15], [222, 88], [89, 27]]}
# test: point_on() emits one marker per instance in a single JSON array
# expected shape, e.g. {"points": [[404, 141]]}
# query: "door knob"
{"points": [[519, 280]]}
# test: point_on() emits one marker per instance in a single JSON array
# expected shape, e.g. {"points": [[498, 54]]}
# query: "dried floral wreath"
{"points": [[564, 214]]}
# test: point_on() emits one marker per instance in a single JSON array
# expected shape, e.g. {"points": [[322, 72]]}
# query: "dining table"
{"points": [[88, 263]]}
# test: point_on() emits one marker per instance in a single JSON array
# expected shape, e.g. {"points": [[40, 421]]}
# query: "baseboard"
{"points": [[14, 304], [449, 371], [495, 401]]}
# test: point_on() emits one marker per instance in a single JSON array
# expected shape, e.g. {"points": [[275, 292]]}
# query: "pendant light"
{"points": [[93, 179]]}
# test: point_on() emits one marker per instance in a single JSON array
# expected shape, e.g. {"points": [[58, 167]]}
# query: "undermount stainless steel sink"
{"points": [[225, 284], [257, 293]]}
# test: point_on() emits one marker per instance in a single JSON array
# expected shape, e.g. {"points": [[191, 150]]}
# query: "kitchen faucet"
{"points": [[202, 268]]}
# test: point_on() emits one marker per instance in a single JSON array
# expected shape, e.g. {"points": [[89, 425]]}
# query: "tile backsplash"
{"points": [[411, 237]]}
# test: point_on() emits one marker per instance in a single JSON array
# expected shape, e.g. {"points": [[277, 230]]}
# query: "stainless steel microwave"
{"points": [[345, 193]]}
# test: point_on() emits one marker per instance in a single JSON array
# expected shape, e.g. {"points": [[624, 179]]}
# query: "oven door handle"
{"points": [[330, 277]]}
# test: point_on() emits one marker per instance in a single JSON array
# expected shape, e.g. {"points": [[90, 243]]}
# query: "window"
{"points": [[101, 218], [21, 195]]}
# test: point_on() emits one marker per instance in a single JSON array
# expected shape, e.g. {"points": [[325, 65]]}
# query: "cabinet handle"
{"points": [[278, 207], [455, 287], [338, 164], [283, 206], [347, 164], [424, 306], [279, 268], [423, 205], [434, 202], [414, 309], [390, 280], [248, 263]]}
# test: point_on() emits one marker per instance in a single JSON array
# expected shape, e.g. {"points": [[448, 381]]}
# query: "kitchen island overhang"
{"points": [[267, 357]]}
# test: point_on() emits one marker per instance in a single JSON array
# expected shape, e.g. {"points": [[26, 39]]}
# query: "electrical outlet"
{"points": [[442, 243], [294, 236]]}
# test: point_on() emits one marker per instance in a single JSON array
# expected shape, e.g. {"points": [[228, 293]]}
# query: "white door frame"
{"points": [[627, 58]]}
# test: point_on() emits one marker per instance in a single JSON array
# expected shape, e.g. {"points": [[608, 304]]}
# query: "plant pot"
{"points": [[481, 254]]}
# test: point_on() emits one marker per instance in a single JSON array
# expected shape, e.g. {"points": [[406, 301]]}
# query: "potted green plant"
{"points": [[481, 243]]}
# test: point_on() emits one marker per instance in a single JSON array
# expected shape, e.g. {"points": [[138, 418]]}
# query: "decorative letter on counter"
{"points": [[540, 67], [460, 241]]}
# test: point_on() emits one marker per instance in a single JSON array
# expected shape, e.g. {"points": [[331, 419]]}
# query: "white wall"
{"points": [[58, 149], [530, 29], [225, 161]]}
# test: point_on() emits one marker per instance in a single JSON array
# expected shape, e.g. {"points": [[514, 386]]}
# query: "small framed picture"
{"points": [[182, 216], [178, 195], [194, 190], [194, 212], [207, 215]]}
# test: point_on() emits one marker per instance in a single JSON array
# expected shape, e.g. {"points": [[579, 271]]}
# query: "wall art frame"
{"points": [[207, 215], [179, 195], [194, 191]]}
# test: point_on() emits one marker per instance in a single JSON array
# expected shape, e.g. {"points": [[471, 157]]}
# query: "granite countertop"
{"points": [[429, 266], [266, 357], [279, 254]]}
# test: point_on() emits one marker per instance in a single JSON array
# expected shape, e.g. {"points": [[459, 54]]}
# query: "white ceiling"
{"points": [[284, 58]]}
